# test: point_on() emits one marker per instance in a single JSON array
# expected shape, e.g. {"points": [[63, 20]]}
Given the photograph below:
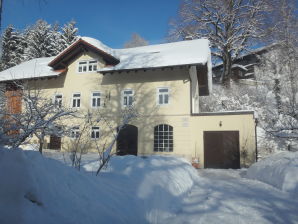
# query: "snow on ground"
{"points": [[279, 170], [131, 190], [222, 196], [155, 189]]}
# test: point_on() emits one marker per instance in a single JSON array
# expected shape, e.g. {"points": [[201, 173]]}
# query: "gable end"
{"points": [[80, 46]]}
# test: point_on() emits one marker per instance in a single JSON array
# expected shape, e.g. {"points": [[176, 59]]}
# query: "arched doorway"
{"points": [[127, 141]]}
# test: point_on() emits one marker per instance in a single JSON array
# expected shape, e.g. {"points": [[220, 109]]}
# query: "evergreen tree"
{"points": [[39, 39], [12, 48], [68, 35], [55, 43]]}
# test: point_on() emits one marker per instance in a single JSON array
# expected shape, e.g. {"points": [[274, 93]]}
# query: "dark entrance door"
{"points": [[127, 141], [55, 142], [221, 149]]}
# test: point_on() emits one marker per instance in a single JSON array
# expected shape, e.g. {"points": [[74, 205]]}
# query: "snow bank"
{"points": [[35, 189], [279, 170]]}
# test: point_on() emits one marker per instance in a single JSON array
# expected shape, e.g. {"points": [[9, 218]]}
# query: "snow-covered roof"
{"points": [[250, 52], [35, 68], [98, 44], [90, 42], [189, 52], [162, 55]]}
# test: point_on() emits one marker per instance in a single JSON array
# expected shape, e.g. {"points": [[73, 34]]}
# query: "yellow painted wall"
{"points": [[243, 123], [188, 130]]}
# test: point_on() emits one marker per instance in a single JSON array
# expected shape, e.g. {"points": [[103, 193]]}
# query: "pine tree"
{"points": [[12, 48], [68, 35], [39, 39], [55, 43]]}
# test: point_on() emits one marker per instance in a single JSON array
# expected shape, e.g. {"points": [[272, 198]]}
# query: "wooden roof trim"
{"points": [[61, 70], [77, 43]]}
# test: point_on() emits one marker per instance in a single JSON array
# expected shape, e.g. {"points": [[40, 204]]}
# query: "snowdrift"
{"points": [[279, 170], [35, 189]]}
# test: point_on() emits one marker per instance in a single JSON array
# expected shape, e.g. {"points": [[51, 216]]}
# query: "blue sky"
{"points": [[111, 21]]}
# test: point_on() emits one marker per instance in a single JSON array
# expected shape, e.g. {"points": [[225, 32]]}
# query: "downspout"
{"points": [[256, 138]]}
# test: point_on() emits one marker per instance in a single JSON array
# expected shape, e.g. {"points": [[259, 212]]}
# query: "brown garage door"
{"points": [[221, 149]]}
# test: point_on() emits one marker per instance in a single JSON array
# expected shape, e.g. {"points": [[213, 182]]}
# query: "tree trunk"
{"points": [[41, 143], [276, 91], [227, 70]]}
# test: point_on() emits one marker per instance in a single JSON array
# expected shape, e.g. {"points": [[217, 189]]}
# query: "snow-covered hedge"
{"points": [[279, 170], [35, 189]]}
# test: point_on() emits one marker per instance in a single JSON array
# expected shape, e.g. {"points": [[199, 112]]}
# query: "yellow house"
{"points": [[161, 82]]}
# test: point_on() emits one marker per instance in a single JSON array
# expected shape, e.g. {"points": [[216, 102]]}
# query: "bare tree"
{"points": [[82, 139], [279, 70], [37, 115], [106, 150], [275, 94], [136, 41], [79, 143], [230, 25]]}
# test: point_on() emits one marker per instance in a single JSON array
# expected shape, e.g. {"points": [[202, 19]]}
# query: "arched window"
{"points": [[163, 138]]}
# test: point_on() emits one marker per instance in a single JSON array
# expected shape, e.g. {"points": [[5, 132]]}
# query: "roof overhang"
{"points": [[58, 72], [80, 46], [111, 71]]}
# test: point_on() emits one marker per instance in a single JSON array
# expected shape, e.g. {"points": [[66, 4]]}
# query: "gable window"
{"points": [[96, 99], [75, 132], [87, 66], [127, 97], [163, 96], [58, 100], [95, 132], [163, 138], [92, 66], [76, 100]]}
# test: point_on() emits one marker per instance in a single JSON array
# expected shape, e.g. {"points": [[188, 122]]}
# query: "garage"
{"points": [[221, 149]]}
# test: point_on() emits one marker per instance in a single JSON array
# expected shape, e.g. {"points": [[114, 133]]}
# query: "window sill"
{"points": [[86, 72]]}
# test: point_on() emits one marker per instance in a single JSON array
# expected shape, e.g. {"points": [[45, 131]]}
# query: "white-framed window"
{"points": [[95, 133], [87, 66], [127, 97], [163, 138], [163, 95], [76, 100], [58, 100], [75, 132], [96, 99]]}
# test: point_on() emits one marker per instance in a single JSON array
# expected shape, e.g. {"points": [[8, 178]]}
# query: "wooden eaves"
{"points": [[80, 46]]}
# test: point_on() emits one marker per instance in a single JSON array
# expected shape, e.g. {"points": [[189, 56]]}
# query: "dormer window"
{"points": [[87, 66]]}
